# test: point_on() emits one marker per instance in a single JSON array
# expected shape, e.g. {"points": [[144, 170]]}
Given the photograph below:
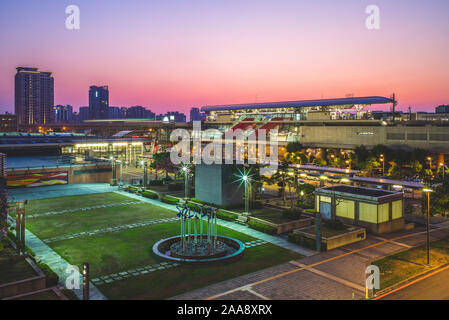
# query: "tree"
{"points": [[439, 199], [161, 161], [293, 147]]}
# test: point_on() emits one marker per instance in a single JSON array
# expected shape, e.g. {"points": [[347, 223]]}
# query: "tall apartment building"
{"points": [[63, 114], [196, 115], [98, 102], [83, 114], [34, 96]]}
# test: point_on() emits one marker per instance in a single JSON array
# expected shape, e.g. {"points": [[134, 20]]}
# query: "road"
{"points": [[434, 286]]}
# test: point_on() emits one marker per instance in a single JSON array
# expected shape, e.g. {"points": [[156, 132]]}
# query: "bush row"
{"points": [[170, 200], [262, 227], [303, 241], [150, 195]]}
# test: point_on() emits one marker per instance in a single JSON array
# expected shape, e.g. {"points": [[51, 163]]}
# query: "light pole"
{"points": [[114, 172], [382, 159], [246, 181], [428, 191], [145, 174], [186, 181], [442, 166]]}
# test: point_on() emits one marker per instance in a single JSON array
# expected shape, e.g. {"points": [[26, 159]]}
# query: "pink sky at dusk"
{"points": [[174, 55]]}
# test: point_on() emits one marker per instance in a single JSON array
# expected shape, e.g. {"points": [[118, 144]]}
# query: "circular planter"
{"points": [[162, 249]]}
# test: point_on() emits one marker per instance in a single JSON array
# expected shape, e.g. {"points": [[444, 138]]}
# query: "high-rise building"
{"points": [[34, 96], [442, 109], [98, 102], [63, 114], [83, 114], [196, 114], [139, 112]]}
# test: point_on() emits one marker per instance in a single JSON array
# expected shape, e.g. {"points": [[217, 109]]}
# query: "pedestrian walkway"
{"points": [[59, 266], [234, 226], [59, 191]]}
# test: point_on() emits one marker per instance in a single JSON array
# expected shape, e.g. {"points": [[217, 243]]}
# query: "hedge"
{"points": [[69, 294], [304, 241], [150, 195], [170, 200], [226, 216], [175, 187], [262, 227], [52, 278], [156, 183], [293, 215], [132, 189]]}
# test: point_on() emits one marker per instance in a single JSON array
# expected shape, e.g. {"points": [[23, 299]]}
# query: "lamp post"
{"points": [[145, 174], [86, 280], [186, 181], [428, 191], [114, 172], [442, 166], [246, 181], [382, 159]]}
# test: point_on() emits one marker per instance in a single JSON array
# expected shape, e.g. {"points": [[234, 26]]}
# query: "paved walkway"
{"points": [[234, 226], [338, 274], [59, 191], [58, 265]]}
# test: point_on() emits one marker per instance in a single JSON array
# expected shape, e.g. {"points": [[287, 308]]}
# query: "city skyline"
{"points": [[178, 55]]}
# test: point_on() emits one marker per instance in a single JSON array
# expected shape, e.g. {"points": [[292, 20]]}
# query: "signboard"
{"points": [[36, 179]]}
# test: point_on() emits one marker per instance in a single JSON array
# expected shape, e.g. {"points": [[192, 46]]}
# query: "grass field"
{"points": [[412, 262], [123, 250]]}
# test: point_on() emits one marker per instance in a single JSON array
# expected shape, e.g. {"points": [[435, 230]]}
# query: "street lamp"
{"points": [[428, 191], [186, 181], [145, 174], [245, 179], [322, 179], [382, 159], [442, 166]]}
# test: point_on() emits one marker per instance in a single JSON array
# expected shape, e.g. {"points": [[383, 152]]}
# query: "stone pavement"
{"points": [[59, 191], [234, 226], [336, 274], [59, 265]]}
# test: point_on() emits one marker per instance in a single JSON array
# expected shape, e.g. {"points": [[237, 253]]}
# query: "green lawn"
{"points": [[74, 222], [412, 262], [123, 250], [70, 202], [171, 282]]}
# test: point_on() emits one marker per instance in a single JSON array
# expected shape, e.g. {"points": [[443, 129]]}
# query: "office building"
{"points": [[98, 102]]}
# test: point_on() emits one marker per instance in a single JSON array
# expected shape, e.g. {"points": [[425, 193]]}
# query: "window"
{"points": [[345, 209], [368, 212], [397, 209], [384, 212]]}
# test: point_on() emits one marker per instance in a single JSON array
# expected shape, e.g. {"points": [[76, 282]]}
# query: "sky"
{"points": [[177, 54]]}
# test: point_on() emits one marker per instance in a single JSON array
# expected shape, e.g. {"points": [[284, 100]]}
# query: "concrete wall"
{"points": [[217, 184], [432, 138]]}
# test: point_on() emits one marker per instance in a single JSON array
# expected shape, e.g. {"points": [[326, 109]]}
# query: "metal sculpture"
{"points": [[191, 237]]}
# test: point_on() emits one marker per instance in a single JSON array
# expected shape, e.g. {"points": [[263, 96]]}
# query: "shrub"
{"points": [[52, 278], [69, 294], [132, 189], [262, 227], [303, 241], [334, 225], [292, 215], [175, 187], [225, 216], [170, 200], [156, 183], [150, 195]]}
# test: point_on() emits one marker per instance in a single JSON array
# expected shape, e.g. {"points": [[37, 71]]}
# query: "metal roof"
{"points": [[301, 103]]}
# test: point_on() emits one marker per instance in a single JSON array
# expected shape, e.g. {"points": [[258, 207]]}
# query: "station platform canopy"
{"points": [[344, 102]]}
